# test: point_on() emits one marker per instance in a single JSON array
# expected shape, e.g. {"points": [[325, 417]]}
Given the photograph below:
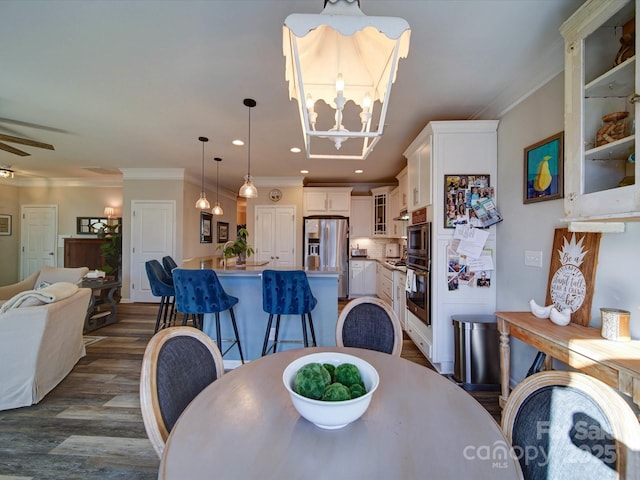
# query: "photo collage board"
{"points": [[469, 200]]}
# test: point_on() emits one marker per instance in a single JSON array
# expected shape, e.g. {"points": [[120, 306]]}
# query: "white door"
{"points": [[38, 238], [152, 237], [275, 235]]}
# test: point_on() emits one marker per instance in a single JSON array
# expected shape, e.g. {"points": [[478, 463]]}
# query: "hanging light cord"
{"points": [[217, 179], [202, 190], [249, 147]]}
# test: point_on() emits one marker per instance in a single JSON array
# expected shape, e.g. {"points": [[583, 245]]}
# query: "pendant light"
{"points": [[248, 189], [202, 203], [217, 208]]}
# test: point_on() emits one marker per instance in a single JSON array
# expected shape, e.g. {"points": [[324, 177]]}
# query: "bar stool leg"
{"points": [[304, 331], [266, 335], [218, 334], [159, 316], [275, 337], [235, 330], [313, 333]]}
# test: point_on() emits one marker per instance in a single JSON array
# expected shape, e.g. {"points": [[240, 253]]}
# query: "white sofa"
{"points": [[39, 345], [48, 275]]}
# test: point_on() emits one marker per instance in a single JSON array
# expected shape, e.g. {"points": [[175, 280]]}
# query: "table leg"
{"points": [[505, 352]]}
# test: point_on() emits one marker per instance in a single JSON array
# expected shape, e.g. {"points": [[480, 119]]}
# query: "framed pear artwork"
{"points": [[543, 170], [572, 273]]}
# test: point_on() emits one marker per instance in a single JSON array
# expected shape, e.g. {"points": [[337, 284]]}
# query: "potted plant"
{"points": [[238, 248], [112, 250]]}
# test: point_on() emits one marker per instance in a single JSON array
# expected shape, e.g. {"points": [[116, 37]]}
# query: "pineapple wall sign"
{"points": [[544, 169], [572, 273]]}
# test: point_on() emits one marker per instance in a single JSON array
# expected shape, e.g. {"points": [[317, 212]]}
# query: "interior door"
{"points": [[152, 237], [38, 238], [275, 237]]}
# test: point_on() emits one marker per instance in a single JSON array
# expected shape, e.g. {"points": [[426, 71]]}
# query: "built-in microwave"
{"points": [[419, 240]]}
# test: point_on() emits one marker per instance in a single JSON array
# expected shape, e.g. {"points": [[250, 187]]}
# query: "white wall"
{"points": [[531, 227]]}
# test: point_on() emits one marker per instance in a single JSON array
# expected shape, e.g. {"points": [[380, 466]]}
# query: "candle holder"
{"points": [[615, 324]]}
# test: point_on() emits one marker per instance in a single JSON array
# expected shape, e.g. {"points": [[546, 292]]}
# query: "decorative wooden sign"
{"points": [[573, 272]]}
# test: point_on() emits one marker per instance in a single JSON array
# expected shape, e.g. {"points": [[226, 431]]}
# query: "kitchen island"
{"points": [[245, 283]]}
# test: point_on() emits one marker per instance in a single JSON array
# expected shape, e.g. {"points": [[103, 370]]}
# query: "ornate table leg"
{"points": [[505, 352]]}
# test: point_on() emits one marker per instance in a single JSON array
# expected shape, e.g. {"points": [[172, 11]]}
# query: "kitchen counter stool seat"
{"points": [[199, 292], [161, 286], [287, 292]]}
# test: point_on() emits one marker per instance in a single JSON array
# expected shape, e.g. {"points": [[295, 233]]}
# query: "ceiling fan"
{"points": [[21, 141]]}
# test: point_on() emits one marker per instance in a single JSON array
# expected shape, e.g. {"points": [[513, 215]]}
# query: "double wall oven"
{"points": [[419, 271]]}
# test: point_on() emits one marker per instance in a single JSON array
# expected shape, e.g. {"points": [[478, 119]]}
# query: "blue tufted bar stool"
{"points": [[287, 292], [161, 286], [199, 292], [169, 264]]}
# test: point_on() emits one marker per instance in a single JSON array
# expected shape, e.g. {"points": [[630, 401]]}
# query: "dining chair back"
{"points": [[161, 286], [287, 292], [178, 363], [368, 322], [169, 264], [569, 425], [199, 292]]}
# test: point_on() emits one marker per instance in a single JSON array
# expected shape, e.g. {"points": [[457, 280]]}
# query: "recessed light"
{"points": [[239, 143], [295, 150], [304, 171], [359, 171]]}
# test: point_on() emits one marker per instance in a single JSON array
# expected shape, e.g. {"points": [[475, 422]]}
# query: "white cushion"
{"points": [[59, 274]]}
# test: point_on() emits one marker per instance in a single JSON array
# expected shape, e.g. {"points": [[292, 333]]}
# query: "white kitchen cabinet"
{"points": [[396, 227], [403, 187], [455, 147], [327, 201], [384, 284], [399, 295], [382, 218], [419, 175], [275, 237], [594, 87], [362, 278], [361, 217]]}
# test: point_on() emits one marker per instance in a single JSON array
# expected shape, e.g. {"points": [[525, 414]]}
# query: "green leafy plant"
{"points": [[111, 250], [238, 248]]}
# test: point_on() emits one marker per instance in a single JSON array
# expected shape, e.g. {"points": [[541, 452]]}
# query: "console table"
{"points": [[615, 363], [103, 307]]}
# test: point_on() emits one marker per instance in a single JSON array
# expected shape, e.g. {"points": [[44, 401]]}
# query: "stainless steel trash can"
{"points": [[477, 354]]}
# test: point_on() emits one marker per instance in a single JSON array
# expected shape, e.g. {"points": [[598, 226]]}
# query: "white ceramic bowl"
{"points": [[331, 415]]}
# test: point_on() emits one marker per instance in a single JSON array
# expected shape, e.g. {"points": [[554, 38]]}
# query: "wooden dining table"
{"points": [[419, 425]]}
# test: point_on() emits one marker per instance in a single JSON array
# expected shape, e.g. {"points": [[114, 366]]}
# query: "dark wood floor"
{"points": [[90, 426]]}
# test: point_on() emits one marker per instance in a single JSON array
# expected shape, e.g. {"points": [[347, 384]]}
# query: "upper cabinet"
{"points": [[418, 173], [382, 218], [403, 188], [601, 87], [361, 219], [327, 201]]}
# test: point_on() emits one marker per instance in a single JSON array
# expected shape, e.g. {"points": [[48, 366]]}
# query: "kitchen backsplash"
{"points": [[375, 246]]}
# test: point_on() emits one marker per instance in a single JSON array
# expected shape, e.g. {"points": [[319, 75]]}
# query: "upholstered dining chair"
{"points": [[569, 425], [169, 264], [199, 292], [368, 322], [161, 286], [178, 363], [287, 292]]}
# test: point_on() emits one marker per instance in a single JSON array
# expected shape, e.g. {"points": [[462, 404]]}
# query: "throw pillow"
{"points": [[42, 285]]}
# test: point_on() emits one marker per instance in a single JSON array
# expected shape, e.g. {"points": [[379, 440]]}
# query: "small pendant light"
{"points": [[248, 189], [202, 203], [217, 208]]}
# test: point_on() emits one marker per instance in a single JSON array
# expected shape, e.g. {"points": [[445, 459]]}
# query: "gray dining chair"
{"points": [[178, 363], [368, 322], [569, 425]]}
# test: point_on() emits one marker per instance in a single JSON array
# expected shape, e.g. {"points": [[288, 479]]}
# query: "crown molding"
{"points": [[64, 182], [278, 181], [152, 173]]}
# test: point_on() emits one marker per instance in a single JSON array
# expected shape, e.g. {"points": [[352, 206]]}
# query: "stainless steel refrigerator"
{"points": [[326, 244]]}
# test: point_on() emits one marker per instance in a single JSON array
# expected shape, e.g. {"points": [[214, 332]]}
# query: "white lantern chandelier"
{"points": [[341, 56]]}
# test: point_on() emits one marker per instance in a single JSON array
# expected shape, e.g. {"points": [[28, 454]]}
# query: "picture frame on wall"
{"points": [[223, 232], [460, 191], [5, 225], [205, 227], [544, 170]]}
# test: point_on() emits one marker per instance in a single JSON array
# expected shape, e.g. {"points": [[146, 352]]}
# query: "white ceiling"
{"points": [[133, 84]]}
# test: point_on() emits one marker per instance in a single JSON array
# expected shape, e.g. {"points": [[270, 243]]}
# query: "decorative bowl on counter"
{"points": [[326, 414]]}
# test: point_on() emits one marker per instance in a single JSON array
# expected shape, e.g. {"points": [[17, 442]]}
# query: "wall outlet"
{"points": [[533, 258]]}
